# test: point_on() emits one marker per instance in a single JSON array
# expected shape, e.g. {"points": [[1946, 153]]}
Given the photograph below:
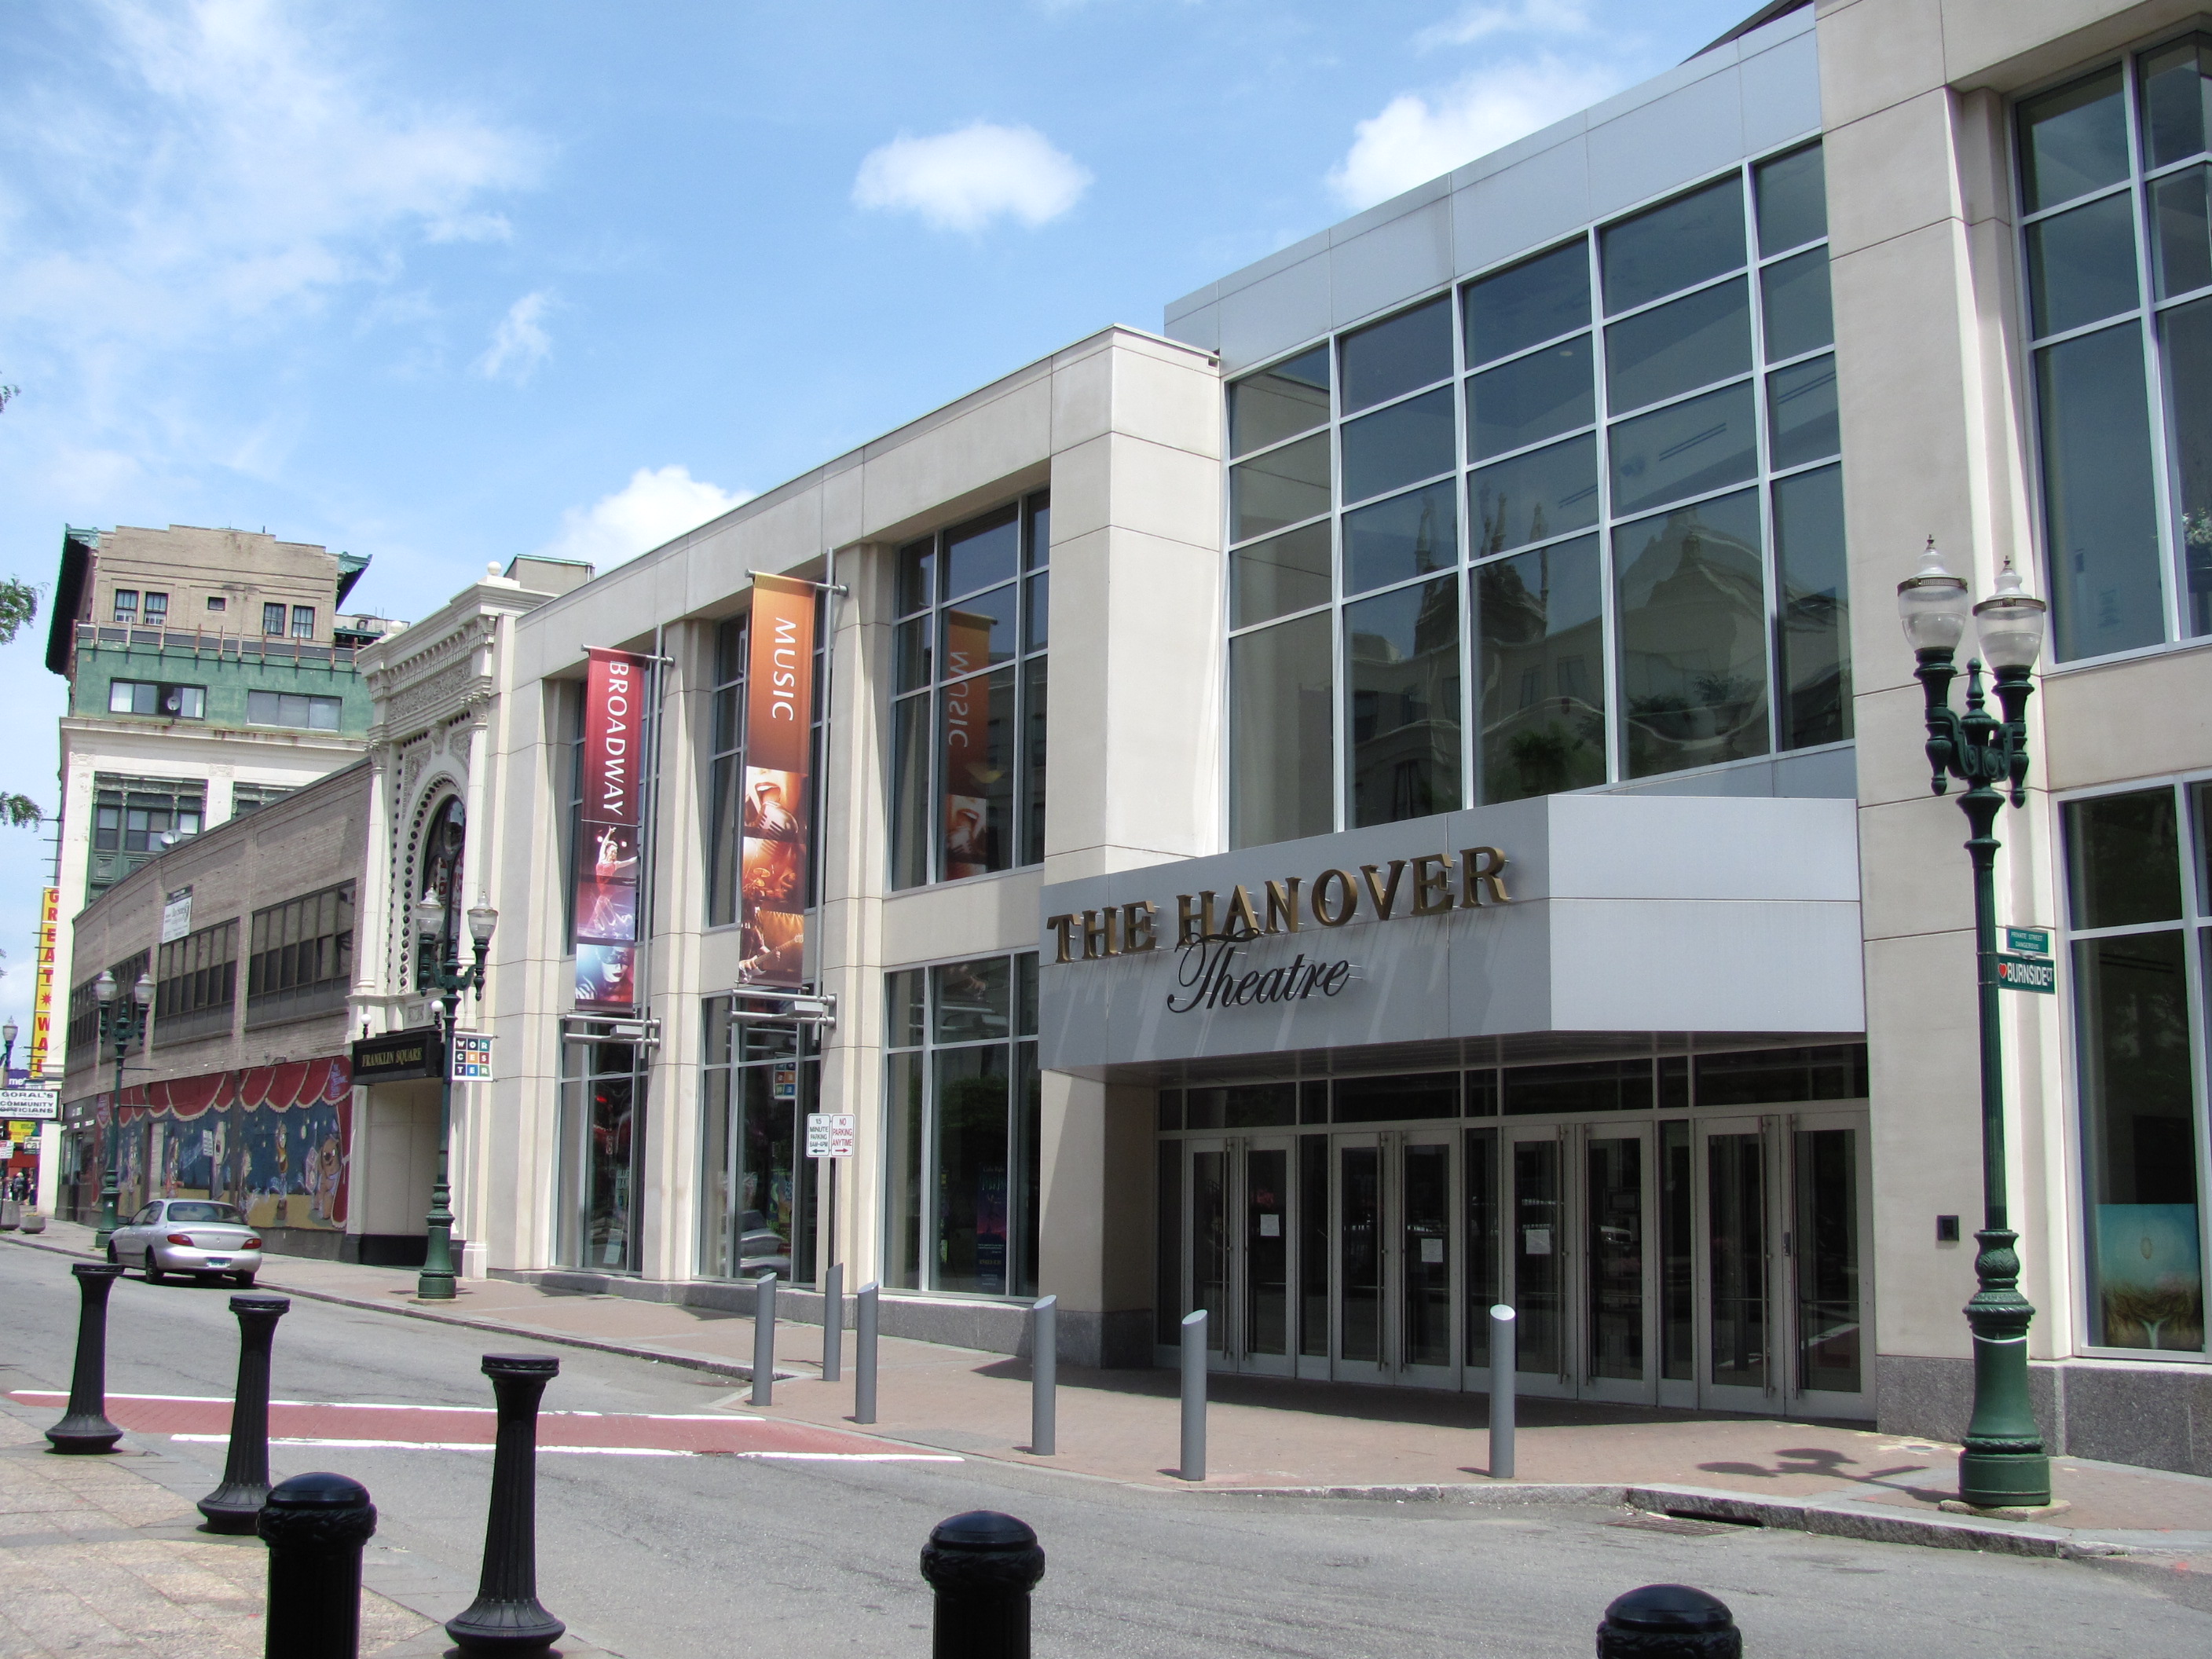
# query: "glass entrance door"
{"points": [[1397, 1258], [1618, 1279], [1241, 1225]]}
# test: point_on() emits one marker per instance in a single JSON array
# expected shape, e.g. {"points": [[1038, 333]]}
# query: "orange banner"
{"points": [[969, 831], [779, 719]]}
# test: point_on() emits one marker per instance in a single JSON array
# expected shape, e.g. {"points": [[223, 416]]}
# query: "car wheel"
{"points": [[244, 1281], [154, 1273], [113, 1259]]}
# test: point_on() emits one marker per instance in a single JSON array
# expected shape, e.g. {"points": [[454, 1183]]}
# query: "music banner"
{"points": [[779, 717], [968, 827], [615, 693]]}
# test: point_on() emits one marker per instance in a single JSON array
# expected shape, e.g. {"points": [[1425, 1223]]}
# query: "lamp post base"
{"points": [[2001, 1460]]}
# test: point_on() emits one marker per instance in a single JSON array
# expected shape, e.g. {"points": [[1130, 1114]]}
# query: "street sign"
{"points": [[829, 1134], [783, 1083], [2028, 974], [471, 1057], [2028, 941], [31, 1104]]}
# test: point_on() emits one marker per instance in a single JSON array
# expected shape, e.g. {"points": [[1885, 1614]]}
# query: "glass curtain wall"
{"points": [[1582, 526], [2139, 871], [2116, 193], [961, 1130], [968, 766], [603, 1119], [757, 1189]]}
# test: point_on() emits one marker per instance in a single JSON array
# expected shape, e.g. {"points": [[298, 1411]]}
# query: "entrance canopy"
{"points": [[1562, 916]]}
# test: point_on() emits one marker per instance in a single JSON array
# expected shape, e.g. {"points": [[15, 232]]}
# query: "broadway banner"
{"points": [[778, 715], [615, 692]]}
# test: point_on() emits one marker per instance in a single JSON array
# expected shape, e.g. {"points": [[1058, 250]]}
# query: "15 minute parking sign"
{"points": [[829, 1134]]}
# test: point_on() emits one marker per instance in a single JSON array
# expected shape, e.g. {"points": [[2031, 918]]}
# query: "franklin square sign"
{"points": [[1569, 913]]}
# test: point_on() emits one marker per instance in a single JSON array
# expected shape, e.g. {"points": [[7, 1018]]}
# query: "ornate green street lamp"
{"points": [[439, 968], [121, 1024], [2003, 1463]]}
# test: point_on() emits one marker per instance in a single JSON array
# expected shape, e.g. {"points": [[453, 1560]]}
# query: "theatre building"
{"points": [[1405, 790]]}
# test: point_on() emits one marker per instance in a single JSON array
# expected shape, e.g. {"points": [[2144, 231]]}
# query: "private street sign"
{"points": [[2028, 941], [2027, 974]]}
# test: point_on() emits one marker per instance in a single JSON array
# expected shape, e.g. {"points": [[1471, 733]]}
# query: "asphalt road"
{"points": [[697, 1558]]}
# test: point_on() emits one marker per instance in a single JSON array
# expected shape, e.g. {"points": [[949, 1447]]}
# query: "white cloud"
{"points": [[520, 343], [962, 180], [653, 507], [1480, 23], [1417, 137]]}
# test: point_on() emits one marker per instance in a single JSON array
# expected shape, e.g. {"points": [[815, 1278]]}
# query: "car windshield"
{"points": [[204, 1212]]}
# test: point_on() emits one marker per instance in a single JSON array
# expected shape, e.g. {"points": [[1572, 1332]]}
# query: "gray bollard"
{"points": [[1505, 1363], [864, 1354], [1194, 1396], [85, 1428], [764, 1340], [315, 1526], [982, 1565], [507, 1616], [833, 1323], [1045, 1376], [1668, 1621], [231, 1506]]}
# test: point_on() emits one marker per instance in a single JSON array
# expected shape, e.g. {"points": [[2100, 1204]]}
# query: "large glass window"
{"points": [[757, 1189], [135, 818], [2137, 869], [301, 957], [2111, 163], [196, 984], [598, 1221], [961, 1103], [1644, 490], [967, 762]]}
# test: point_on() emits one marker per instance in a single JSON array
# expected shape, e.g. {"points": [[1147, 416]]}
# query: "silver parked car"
{"points": [[195, 1235]]}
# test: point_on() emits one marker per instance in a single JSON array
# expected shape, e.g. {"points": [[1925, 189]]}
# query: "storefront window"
{"points": [[1643, 487], [757, 1191], [2136, 910], [968, 764], [603, 1117], [961, 1107]]}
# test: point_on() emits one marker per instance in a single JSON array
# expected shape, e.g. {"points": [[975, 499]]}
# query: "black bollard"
{"points": [[231, 1506], [982, 1565], [507, 1617], [1668, 1621], [314, 1526], [85, 1428]]}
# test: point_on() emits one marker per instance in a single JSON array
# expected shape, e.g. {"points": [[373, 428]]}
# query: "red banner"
{"points": [[615, 693], [779, 718], [968, 827]]}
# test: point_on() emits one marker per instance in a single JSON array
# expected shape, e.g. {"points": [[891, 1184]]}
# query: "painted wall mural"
{"points": [[276, 1141]]}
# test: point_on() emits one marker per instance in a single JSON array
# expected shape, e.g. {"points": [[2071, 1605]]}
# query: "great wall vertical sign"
{"points": [[615, 692], [779, 717], [42, 1000]]}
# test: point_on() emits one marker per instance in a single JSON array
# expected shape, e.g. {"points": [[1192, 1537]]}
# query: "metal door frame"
{"points": [[1396, 1144], [1557, 1385], [1225, 1349], [1730, 1396], [1583, 1295], [1822, 1402]]}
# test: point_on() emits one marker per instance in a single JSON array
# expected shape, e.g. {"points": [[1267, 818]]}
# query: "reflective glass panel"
{"points": [[1402, 674], [1399, 445], [1360, 1248], [982, 552], [1479, 1171], [978, 632], [1798, 316], [1537, 300], [971, 998], [1530, 399], [1282, 732], [2082, 264], [978, 783], [1313, 1245], [1037, 624], [1286, 573], [1539, 672], [2181, 231], [1826, 1256], [1702, 337], [1678, 1273], [1278, 402], [1395, 355], [1792, 195], [2099, 517], [1736, 1244], [1425, 1250], [1684, 449], [1813, 629], [971, 1169], [1674, 246], [1280, 488], [1613, 1206], [1801, 413], [2185, 337], [2124, 859], [1266, 1250], [1693, 609], [1546, 492], [2177, 97], [1406, 536], [917, 569], [910, 796], [2073, 141], [1539, 1246], [912, 644]]}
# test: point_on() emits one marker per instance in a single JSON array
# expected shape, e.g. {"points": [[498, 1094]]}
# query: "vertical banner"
{"points": [[42, 1001], [968, 827], [779, 716], [615, 692]]}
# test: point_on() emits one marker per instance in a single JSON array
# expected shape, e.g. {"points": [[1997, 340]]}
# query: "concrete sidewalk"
{"points": [[1277, 1436]]}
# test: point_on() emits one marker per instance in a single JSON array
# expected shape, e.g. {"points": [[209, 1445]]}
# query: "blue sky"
{"points": [[446, 283]]}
